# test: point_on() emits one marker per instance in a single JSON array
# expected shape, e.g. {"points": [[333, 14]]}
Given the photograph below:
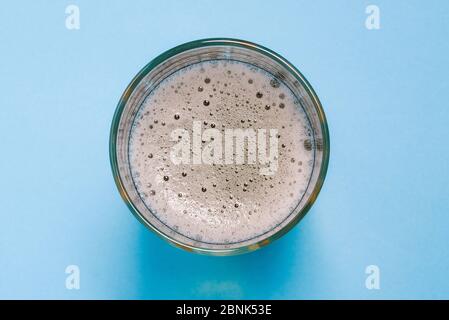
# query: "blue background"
{"points": [[384, 202]]}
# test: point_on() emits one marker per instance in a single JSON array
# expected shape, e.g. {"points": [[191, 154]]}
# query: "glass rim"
{"points": [[208, 43]]}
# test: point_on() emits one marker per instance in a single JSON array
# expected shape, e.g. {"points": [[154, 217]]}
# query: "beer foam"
{"points": [[220, 203]]}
